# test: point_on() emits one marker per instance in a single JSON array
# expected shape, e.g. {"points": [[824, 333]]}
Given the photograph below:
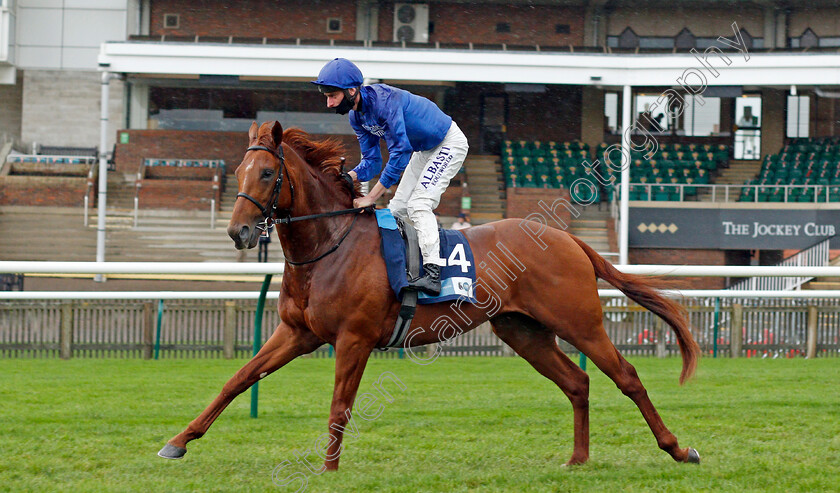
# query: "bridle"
{"points": [[269, 214]]}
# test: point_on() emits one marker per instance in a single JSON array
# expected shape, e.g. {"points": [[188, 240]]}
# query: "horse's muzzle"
{"points": [[244, 236]]}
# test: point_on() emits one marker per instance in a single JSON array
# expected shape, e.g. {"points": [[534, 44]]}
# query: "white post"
{"points": [[213, 213], [136, 208], [86, 210], [103, 173], [625, 178], [213, 201]]}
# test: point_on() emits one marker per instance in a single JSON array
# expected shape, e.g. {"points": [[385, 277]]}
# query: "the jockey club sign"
{"points": [[737, 229]]}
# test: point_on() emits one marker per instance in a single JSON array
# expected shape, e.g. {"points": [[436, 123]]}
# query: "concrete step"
{"points": [[485, 187], [481, 172], [486, 180], [827, 279], [484, 194], [597, 246], [590, 223], [823, 285], [588, 237], [162, 236], [485, 215]]}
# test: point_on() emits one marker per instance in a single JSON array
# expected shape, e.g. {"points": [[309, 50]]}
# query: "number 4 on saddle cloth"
{"points": [[457, 277]]}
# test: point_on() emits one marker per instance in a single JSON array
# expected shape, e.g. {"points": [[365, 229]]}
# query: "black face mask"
{"points": [[345, 105]]}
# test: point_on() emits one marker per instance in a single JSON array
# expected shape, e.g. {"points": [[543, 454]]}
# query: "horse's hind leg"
{"points": [[282, 347], [597, 346], [536, 344]]}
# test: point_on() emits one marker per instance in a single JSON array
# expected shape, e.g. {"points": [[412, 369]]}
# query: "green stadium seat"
{"points": [[528, 181], [522, 148]]}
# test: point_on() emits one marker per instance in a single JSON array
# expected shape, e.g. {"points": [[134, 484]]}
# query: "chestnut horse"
{"points": [[337, 292]]}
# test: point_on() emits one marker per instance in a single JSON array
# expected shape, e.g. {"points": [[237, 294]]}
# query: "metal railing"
{"points": [[243, 40], [215, 192], [732, 193], [800, 323], [814, 256]]}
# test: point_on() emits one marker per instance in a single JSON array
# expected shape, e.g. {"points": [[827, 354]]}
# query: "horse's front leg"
{"points": [[351, 356], [286, 344]]}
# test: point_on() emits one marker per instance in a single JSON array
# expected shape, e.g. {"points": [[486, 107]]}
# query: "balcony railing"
{"points": [[680, 192], [438, 45]]}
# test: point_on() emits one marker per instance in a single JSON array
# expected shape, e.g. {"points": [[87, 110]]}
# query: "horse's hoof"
{"points": [[693, 456], [172, 452]]}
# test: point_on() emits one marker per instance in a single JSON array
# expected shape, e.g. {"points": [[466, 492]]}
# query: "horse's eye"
{"points": [[267, 173]]}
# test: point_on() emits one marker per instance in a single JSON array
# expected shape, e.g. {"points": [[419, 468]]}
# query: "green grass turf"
{"points": [[461, 424]]}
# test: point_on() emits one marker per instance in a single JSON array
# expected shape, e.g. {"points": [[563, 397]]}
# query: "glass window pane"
{"points": [[656, 42], [797, 116], [611, 112], [649, 116], [701, 120], [748, 125]]}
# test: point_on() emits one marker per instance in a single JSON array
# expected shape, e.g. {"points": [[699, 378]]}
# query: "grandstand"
{"points": [[724, 107], [805, 170]]}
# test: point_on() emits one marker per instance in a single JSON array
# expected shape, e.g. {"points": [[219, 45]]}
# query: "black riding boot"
{"points": [[430, 283]]}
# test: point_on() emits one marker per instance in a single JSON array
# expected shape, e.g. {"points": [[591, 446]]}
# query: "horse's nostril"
{"points": [[244, 234]]}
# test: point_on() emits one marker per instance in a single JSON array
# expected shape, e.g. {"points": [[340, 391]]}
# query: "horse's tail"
{"points": [[642, 290]]}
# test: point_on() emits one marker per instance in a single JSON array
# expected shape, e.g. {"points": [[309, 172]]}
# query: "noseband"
{"points": [[268, 214]]}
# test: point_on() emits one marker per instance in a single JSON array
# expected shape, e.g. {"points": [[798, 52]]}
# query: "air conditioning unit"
{"points": [[411, 22]]}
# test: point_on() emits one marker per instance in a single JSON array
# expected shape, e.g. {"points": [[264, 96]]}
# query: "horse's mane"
{"points": [[325, 154]]}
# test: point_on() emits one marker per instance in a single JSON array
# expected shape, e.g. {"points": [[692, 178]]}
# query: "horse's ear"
{"points": [[277, 133], [252, 132]]}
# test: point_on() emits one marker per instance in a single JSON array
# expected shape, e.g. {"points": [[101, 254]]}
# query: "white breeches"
{"points": [[425, 178]]}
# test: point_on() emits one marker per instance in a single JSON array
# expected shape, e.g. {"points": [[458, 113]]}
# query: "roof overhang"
{"points": [[418, 64]]}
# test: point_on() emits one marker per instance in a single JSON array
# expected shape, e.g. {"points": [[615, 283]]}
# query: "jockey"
{"points": [[424, 146]]}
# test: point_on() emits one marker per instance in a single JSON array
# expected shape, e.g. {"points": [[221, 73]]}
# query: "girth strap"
{"points": [[409, 298]]}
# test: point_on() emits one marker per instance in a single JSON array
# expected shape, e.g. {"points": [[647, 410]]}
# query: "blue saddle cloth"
{"points": [[457, 277]]}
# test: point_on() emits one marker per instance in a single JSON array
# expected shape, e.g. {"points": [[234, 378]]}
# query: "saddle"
{"points": [[401, 252]]}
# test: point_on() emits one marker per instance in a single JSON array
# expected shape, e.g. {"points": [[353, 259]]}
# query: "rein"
{"points": [[268, 215]]}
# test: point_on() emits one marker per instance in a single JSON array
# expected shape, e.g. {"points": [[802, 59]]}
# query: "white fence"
{"points": [[815, 256], [53, 323]]}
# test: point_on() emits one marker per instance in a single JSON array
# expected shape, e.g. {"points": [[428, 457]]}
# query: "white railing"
{"points": [[45, 267], [238, 268], [732, 193], [139, 185], [814, 256], [253, 295]]}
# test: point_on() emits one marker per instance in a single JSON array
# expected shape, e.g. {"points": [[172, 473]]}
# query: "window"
{"points": [[561, 29], [649, 115], [701, 120], [333, 25], [503, 27], [798, 113], [748, 127], [171, 21], [611, 112]]}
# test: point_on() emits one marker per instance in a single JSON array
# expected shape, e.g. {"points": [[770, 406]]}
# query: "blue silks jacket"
{"points": [[408, 123]]}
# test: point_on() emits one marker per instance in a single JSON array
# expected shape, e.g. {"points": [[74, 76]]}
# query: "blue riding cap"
{"points": [[340, 73]]}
